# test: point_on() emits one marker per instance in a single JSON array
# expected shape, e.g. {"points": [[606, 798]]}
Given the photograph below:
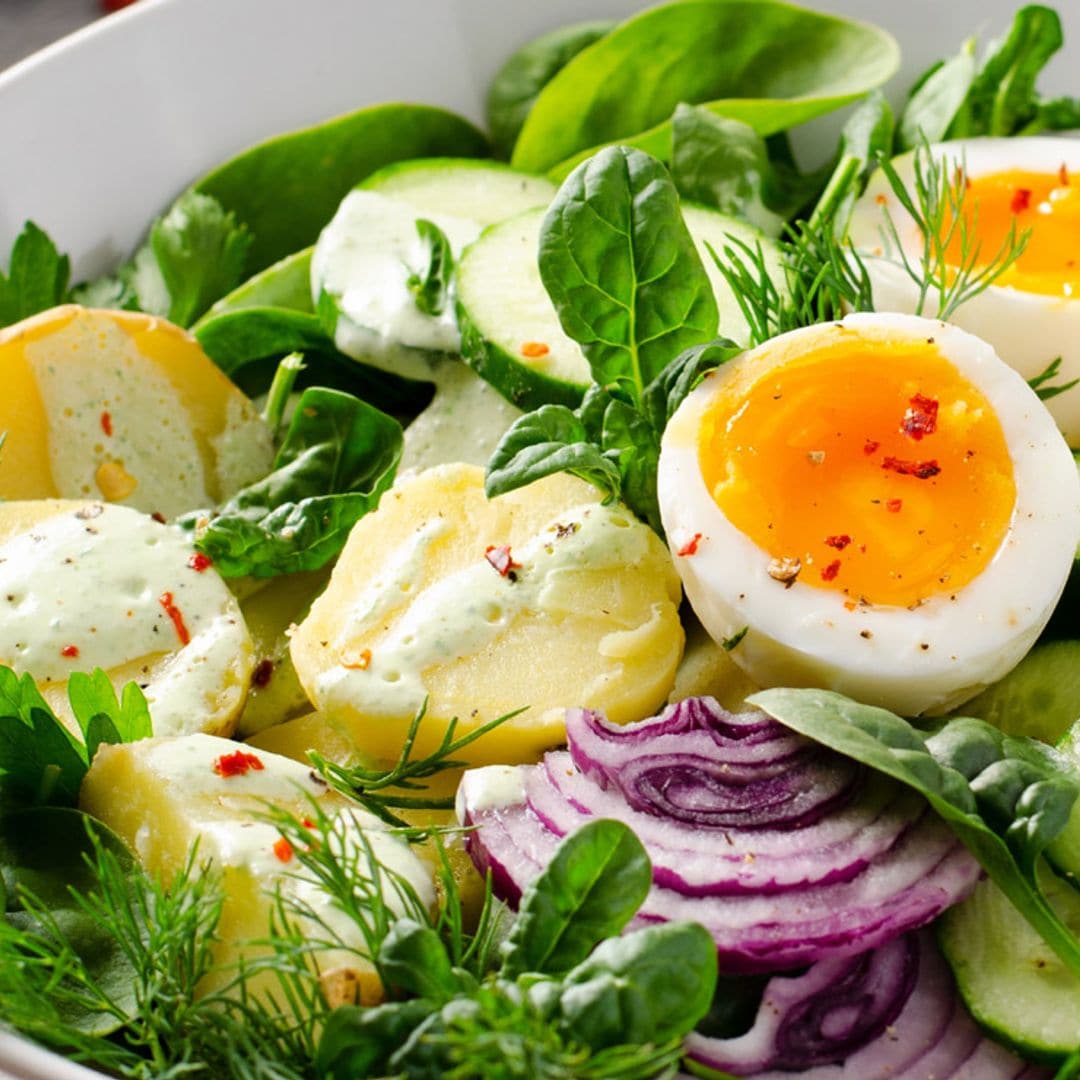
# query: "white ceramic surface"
{"points": [[98, 132]]}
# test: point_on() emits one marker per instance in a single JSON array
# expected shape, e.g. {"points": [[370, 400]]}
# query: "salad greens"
{"points": [[725, 55], [338, 457], [430, 285], [37, 277], [1008, 799]]}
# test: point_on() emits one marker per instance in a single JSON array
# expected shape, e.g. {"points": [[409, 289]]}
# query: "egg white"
{"points": [[911, 661], [1028, 330]]}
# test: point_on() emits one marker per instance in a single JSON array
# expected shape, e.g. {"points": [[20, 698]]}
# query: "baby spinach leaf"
{"points": [[723, 163], [656, 983], [518, 82], [194, 256], [414, 958], [430, 286], [287, 188], [937, 99], [550, 440], [1004, 797], [622, 270], [37, 277], [284, 284], [338, 457], [669, 389], [360, 1041], [590, 890], [731, 55], [629, 438], [44, 855], [867, 135]]}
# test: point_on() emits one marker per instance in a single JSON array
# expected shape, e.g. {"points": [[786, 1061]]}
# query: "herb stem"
{"points": [[282, 386]]}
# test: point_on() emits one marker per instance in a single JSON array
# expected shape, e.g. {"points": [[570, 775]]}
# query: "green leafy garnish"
{"points": [[1006, 798], [959, 98], [430, 286], [41, 762], [37, 277], [1039, 383], [338, 457]]}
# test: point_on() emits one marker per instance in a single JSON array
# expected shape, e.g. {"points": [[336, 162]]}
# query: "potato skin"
{"points": [[601, 629]]}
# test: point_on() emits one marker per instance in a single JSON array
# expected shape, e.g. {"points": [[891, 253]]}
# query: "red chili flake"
{"points": [[307, 823], [1021, 200], [238, 764], [830, 571], [159, 517], [881, 200], [839, 542], [283, 850], [264, 669], [690, 547], [174, 613], [70, 651], [356, 659], [533, 349], [106, 424], [501, 559], [920, 418], [894, 505], [199, 562], [1063, 175], [922, 470], [870, 447]]}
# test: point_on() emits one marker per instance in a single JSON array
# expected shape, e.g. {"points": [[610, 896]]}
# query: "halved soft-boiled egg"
{"points": [[878, 506], [1031, 314]]}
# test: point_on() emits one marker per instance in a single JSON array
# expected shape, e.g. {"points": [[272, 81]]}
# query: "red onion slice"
{"points": [[823, 884]]}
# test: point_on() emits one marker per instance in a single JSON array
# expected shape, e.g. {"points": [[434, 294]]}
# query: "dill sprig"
{"points": [[824, 277], [383, 790]]}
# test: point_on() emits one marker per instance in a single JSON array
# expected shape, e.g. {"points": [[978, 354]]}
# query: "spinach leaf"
{"points": [[414, 958], [518, 82], [1004, 797], [287, 188], [590, 890], [734, 56], [937, 99], [622, 270], [285, 284], [37, 277], [723, 163], [657, 983], [41, 762], [45, 853], [867, 136], [338, 457], [670, 388], [360, 1041], [431, 285]]}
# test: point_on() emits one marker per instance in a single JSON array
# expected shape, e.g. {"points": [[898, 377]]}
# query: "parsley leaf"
{"points": [[37, 277]]}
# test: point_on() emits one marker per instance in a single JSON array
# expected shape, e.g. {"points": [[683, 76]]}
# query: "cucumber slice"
{"points": [[1040, 697], [1011, 981], [364, 257], [510, 332]]}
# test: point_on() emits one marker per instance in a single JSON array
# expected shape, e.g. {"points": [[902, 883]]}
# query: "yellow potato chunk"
{"points": [[124, 407], [541, 599], [707, 669], [90, 585], [164, 795]]}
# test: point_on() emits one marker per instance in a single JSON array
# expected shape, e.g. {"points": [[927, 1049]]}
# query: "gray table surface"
{"points": [[27, 25]]}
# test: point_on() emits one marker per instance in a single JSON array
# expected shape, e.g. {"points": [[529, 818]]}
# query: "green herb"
{"points": [[959, 99], [569, 998], [526, 72], [430, 287], [41, 762], [337, 458], [625, 86], [37, 277], [380, 791], [1008, 799], [277, 397], [731, 643], [1038, 383]]}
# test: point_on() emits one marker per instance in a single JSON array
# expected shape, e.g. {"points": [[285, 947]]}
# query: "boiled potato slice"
{"points": [[88, 585], [164, 795], [276, 694], [541, 599], [707, 670], [123, 407]]}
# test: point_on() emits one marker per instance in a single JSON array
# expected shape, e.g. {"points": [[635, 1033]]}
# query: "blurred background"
{"points": [[26, 25]]}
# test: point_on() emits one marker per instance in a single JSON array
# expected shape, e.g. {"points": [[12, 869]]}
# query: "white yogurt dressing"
{"points": [[461, 613], [94, 580]]}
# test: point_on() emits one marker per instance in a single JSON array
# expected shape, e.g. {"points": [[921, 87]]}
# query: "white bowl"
{"points": [[100, 131]]}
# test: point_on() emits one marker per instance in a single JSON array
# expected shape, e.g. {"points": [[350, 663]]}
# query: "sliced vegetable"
{"points": [[625, 86], [270, 190], [1008, 799], [338, 457], [776, 847]]}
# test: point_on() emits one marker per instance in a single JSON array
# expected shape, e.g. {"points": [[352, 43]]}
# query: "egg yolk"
{"points": [[1045, 204], [871, 468]]}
